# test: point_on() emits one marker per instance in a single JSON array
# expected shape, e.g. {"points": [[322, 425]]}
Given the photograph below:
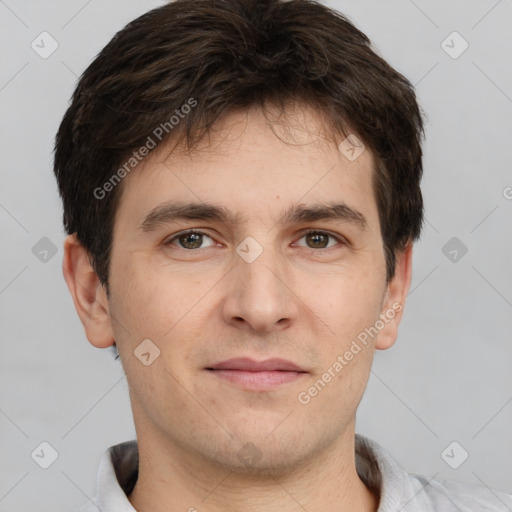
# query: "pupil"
{"points": [[194, 236], [316, 236]]}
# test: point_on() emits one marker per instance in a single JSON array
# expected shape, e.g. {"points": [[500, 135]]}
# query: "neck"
{"points": [[177, 479]]}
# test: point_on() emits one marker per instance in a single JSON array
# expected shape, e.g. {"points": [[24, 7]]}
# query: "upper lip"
{"points": [[250, 365]]}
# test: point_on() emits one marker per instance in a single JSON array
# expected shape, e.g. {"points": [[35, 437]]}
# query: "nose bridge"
{"points": [[261, 292], [260, 264], [260, 260]]}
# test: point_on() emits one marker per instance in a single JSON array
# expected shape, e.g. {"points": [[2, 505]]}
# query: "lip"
{"points": [[250, 365], [257, 375]]}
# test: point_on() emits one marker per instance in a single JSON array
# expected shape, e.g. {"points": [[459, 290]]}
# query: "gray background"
{"points": [[448, 376]]}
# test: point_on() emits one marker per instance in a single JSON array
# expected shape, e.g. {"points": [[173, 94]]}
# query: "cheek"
{"points": [[347, 303], [168, 311], [141, 304]]}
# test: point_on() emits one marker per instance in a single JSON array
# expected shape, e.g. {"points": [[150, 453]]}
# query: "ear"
{"points": [[394, 299], [89, 296]]}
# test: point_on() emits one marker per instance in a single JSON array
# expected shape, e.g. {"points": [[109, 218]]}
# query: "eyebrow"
{"points": [[169, 212]]}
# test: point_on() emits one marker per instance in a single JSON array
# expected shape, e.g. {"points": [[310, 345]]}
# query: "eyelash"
{"points": [[339, 239]]}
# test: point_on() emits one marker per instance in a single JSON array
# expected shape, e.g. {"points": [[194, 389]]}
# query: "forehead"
{"points": [[254, 167]]}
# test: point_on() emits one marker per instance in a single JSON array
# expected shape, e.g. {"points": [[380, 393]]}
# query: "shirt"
{"points": [[398, 489]]}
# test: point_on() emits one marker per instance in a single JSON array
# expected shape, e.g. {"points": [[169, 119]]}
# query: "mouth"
{"points": [[257, 375]]}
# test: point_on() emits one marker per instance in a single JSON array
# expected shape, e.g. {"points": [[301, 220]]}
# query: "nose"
{"points": [[259, 294]]}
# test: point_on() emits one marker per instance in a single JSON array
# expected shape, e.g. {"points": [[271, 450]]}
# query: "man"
{"points": [[241, 189]]}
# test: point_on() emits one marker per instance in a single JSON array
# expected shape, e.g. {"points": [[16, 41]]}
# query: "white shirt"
{"points": [[398, 490]]}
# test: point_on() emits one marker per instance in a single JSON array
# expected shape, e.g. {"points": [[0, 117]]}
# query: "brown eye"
{"points": [[188, 239], [320, 239]]}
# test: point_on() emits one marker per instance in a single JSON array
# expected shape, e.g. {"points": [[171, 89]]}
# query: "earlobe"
{"points": [[394, 301], [88, 294]]}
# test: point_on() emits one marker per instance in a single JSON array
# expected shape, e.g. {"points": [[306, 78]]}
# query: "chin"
{"points": [[261, 456]]}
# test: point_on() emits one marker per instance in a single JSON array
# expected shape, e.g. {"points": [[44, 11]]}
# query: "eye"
{"points": [[193, 239], [319, 239], [189, 240]]}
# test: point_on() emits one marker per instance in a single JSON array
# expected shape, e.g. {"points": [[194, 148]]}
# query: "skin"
{"points": [[297, 300]]}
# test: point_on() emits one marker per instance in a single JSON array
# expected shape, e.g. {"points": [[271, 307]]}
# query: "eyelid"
{"points": [[339, 238], [168, 240]]}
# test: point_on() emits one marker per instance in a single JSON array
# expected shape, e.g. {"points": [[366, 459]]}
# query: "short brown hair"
{"points": [[225, 55]]}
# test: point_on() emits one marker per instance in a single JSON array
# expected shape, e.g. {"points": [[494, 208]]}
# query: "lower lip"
{"points": [[262, 381]]}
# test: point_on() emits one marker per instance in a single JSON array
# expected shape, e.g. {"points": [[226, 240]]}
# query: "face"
{"points": [[253, 285]]}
